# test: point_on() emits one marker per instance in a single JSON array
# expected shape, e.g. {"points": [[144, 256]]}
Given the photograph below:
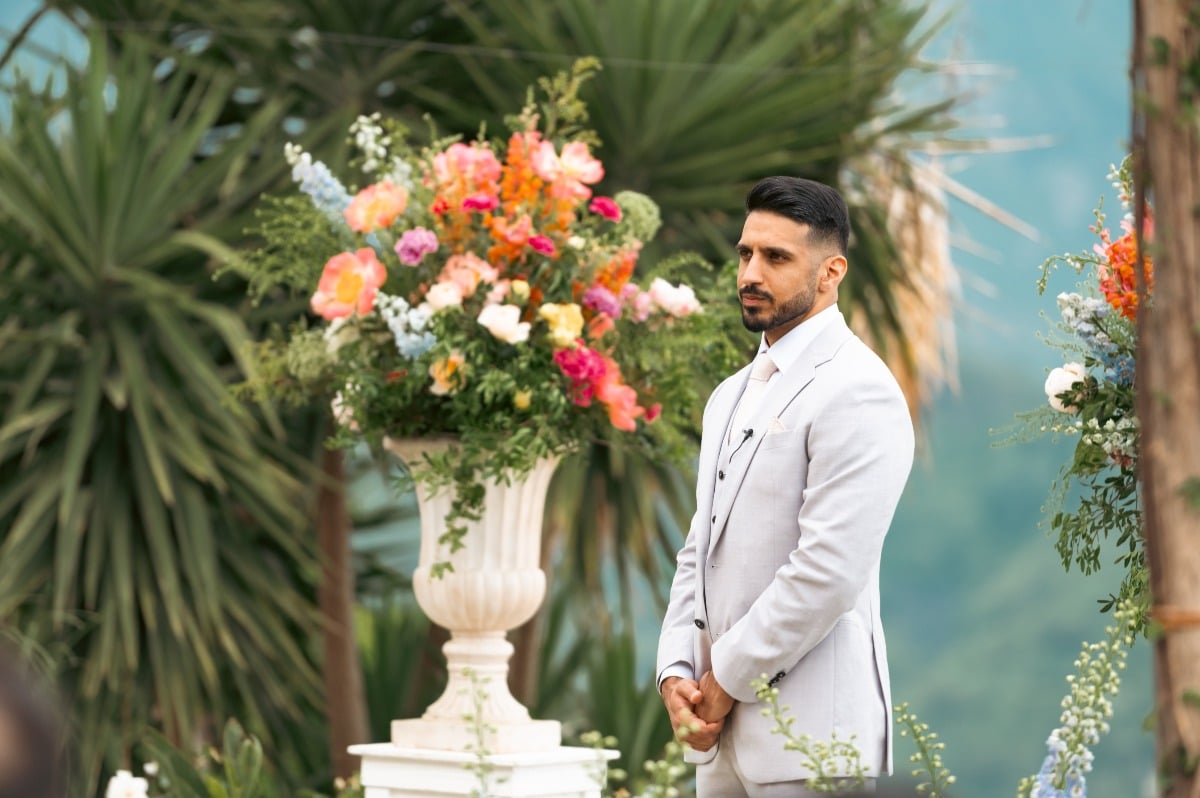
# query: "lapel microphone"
{"points": [[749, 433]]}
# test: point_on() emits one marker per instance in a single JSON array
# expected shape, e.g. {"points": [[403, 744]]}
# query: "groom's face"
{"points": [[779, 274]]}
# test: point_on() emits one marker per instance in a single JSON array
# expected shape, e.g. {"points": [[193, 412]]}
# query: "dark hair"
{"points": [[807, 202]]}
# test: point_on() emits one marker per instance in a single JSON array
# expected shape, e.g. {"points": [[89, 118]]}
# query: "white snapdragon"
{"points": [[374, 144]]}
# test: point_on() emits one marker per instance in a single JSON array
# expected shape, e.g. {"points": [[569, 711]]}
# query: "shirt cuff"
{"points": [[680, 669]]}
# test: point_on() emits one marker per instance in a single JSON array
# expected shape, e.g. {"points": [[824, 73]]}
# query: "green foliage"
{"points": [[237, 770], [406, 366], [836, 765], [1096, 496], [935, 777], [402, 672], [144, 517]]}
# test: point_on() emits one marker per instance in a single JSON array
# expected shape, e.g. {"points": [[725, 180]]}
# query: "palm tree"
{"points": [[144, 518], [697, 99]]}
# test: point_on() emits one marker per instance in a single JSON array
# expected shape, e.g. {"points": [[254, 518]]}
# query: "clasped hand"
{"points": [[697, 711]]}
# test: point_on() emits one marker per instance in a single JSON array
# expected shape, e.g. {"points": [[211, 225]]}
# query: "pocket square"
{"points": [[775, 427]]}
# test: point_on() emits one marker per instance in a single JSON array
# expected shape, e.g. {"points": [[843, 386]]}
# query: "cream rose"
{"points": [[504, 322], [444, 295], [1061, 380]]}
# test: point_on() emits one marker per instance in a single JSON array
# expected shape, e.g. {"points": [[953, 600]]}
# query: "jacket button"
{"points": [[714, 519], [720, 475], [699, 624]]}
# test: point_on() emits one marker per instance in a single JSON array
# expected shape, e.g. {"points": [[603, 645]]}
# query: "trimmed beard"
{"points": [[796, 307]]}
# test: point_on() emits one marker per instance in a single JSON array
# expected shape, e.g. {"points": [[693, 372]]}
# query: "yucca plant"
{"points": [[143, 516]]}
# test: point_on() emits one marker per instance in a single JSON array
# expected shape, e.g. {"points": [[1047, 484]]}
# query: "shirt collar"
{"points": [[787, 349]]}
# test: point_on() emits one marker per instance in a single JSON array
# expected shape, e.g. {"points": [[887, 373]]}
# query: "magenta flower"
{"points": [[602, 300], [606, 207], [416, 244], [585, 368], [480, 201], [542, 244]]}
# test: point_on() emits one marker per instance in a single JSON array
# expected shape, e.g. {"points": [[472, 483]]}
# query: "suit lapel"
{"points": [[736, 458]]}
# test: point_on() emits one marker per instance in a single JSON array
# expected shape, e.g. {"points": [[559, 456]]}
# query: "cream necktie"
{"points": [[760, 374]]}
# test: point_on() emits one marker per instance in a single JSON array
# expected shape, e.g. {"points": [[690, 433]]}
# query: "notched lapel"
{"points": [[777, 399]]}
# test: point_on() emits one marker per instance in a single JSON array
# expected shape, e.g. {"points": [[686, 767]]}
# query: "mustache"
{"points": [[745, 292]]}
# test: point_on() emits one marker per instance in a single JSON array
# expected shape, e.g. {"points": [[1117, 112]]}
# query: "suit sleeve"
{"points": [[860, 451], [676, 641]]}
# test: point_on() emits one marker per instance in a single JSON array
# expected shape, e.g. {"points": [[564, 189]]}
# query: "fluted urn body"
{"points": [[496, 584]]}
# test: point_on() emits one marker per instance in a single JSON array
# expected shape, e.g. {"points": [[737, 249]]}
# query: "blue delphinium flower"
{"points": [[408, 324]]}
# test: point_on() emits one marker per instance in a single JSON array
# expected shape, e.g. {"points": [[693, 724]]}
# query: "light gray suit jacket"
{"points": [[779, 574]]}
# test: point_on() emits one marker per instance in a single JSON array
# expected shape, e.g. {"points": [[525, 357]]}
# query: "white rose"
{"points": [[676, 300], [444, 295], [504, 322], [1064, 379]]}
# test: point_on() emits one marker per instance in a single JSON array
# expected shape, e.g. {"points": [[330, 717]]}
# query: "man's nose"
{"points": [[751, 272]]}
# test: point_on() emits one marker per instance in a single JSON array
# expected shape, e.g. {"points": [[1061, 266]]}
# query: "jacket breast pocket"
{"points": [[780, 439]]}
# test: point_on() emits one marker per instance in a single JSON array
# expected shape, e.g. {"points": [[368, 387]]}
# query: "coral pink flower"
{"points": [[606, 207], [599, 326], [515, 233], [543, 157], [348, 284], [542, 244], [578, 164], [376, 206], [476, 164], [619, 399], [467, 271]]}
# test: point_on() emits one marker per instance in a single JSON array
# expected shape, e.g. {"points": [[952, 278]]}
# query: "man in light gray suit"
{"points": [[803, 458]]}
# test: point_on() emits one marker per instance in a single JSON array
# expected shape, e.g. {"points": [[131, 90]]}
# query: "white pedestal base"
{"points": [[439, 734], [390, 771]]}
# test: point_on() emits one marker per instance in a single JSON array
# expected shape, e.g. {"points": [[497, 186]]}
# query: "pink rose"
{"points": [[542, 244], [606, 207], [416, 244]]}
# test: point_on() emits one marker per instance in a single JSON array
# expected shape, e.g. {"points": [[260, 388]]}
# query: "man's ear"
{"points": [[833, 269]]}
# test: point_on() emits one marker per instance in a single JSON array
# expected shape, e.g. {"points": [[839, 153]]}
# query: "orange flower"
{"points": [[376, 206], [448, 374], [618, 398], [1118, 280], [348, 284]]}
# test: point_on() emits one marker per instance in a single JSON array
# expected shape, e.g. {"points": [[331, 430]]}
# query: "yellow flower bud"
{"points": [[521, 399]]}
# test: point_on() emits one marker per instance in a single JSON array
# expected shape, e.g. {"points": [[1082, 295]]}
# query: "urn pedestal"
{"points": [[477, 733]]}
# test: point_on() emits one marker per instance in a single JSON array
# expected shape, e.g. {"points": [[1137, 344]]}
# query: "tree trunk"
{"points": [[1167, 171], [345, 701]]}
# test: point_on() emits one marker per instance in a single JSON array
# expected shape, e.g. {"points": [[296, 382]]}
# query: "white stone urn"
{"points": [[496, 585]]}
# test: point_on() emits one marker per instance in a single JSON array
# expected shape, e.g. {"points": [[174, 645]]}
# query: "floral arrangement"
{"points": [[1087, 709], [1091, 398], [483, 290]]}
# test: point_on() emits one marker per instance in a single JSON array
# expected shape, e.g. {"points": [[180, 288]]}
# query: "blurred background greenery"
{"points": [[982, 623]]}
